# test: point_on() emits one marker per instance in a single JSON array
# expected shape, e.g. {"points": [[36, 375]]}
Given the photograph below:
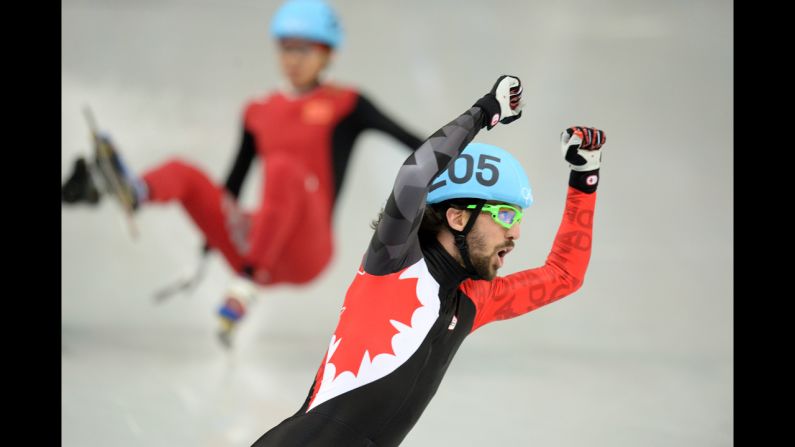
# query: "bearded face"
{"points": [[488, 247]]}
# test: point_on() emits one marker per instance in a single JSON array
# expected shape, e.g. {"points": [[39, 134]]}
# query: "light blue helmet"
{"points": [[307, 19], [483, 171]]}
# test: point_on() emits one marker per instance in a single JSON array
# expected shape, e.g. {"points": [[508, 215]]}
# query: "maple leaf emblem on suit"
{"points": [[399, 310]]}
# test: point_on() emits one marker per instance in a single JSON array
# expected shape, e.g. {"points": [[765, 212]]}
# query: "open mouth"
{"points": [[502, 253]]}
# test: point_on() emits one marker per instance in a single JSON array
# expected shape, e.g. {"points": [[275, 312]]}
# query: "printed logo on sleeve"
{"points": [[453, 322]]}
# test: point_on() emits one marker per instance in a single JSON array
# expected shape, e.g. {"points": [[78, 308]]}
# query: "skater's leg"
{"points": [[292, 212], [224, 225], [211, 209], [290, 238]]}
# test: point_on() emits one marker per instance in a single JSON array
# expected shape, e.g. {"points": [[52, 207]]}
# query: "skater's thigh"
{"points": [[308, 247]]}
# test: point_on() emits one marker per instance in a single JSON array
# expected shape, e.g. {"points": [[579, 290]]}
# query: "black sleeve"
{"points": [[363, 116], [371, 117], [245, 155], [394, 244]]}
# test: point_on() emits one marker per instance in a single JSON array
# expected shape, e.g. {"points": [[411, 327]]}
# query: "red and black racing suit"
{"points": [[411, 305], [306, 143]]}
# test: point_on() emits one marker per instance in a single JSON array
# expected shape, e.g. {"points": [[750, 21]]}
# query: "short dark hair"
{"points": [[434, 218]]}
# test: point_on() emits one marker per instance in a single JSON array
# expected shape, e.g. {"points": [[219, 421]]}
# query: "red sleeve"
{"points": [[562, 274]]}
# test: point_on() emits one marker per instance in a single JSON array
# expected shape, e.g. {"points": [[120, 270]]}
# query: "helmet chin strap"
{"points": [[461, 239]]}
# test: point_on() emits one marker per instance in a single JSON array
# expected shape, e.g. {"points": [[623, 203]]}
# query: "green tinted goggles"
{"points": [[505, 215]]}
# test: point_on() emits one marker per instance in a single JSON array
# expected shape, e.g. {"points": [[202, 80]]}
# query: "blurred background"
{"points": [[641, 355]]}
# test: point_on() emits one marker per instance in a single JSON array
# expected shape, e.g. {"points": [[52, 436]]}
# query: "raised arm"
{"points": [[565, 267], [371, 117], [395, 244]]}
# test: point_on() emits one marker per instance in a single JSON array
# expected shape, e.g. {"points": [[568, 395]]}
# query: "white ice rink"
{"points": [[641, 355]]}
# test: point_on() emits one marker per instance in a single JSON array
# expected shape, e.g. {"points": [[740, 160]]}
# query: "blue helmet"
{"points": [[483, 171], [307, 19]]}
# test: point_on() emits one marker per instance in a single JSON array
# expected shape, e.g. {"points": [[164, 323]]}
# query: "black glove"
{"points": [[503, 103]]}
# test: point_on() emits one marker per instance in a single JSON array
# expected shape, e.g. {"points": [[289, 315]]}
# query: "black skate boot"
{"points": [[80, 187]]}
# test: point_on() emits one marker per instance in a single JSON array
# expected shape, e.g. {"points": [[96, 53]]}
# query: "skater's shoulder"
{"points": [[338, 88], [262, 99]]}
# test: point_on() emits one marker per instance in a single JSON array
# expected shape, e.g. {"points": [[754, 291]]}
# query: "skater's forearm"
{"points": [[245, 156], [373, 118]]}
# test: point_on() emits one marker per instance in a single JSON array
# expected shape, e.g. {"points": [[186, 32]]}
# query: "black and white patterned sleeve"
{"points": [[395, 244]]}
